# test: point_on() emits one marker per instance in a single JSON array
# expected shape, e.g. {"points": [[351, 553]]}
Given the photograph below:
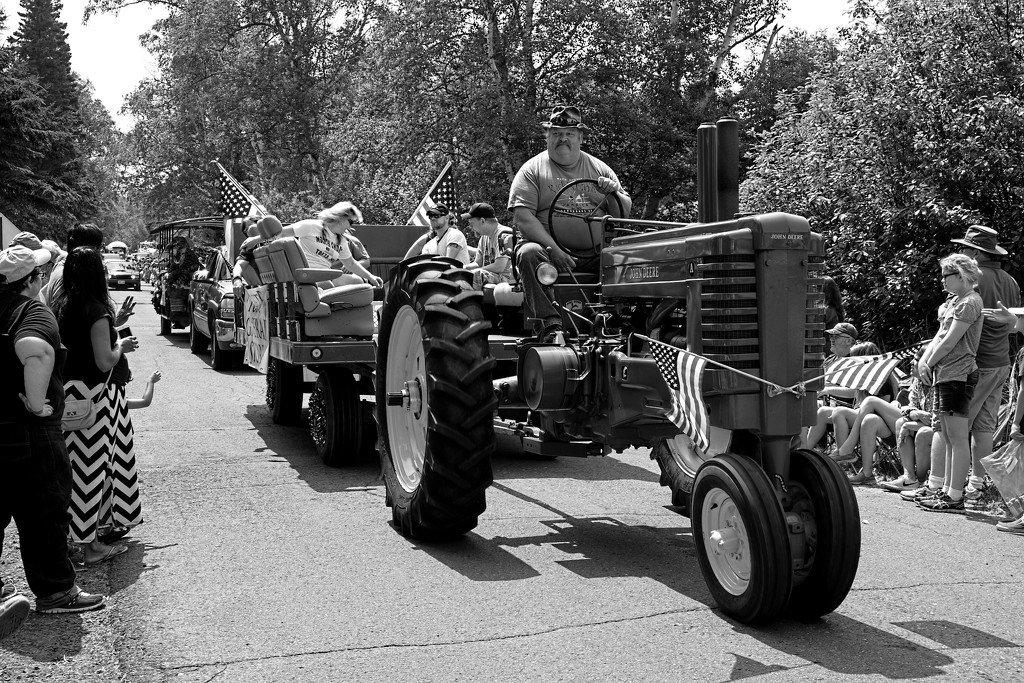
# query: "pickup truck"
{"points": [[211, 307]]}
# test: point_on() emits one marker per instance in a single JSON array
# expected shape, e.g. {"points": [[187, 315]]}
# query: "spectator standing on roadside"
{"points": [[993, 357], [948, 365], [34, 464], [493, 262], [105, 479]]}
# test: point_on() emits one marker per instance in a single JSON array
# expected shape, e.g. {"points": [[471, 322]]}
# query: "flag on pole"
{"points": [[441, 192], [682, 371], [235, 201], [868, 373]]}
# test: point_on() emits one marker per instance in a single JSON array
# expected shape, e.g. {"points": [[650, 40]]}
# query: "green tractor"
{"points": [[776, 527]]}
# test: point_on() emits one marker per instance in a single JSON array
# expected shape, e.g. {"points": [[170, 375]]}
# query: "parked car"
{"points": [[212, 312], [121, 275]]}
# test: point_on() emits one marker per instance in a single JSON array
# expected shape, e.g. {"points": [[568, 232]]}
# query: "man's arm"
{"points": [[533, 231]]}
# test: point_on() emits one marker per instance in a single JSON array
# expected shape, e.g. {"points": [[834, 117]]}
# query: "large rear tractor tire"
{"points": [[434, 401], [739, 530], [825, 501], [284, 392], [679, 462], [335, 418]]}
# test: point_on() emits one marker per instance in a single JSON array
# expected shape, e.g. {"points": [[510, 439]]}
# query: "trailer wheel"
{"points": [[739, 530], [284, 392], [197, 343], [165, 326], [434, 401], [335, 417], [822, 495]]}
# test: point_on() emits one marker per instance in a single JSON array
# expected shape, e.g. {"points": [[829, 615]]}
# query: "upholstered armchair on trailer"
{"points": [[299, 308]]}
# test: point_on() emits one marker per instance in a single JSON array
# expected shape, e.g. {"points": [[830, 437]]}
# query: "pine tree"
{"points": [[56, 189], [42, 49]]}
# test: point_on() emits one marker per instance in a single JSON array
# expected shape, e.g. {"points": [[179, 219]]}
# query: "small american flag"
{"points": [[235, 201], [682, 372], [441, 192], [868, 373]]}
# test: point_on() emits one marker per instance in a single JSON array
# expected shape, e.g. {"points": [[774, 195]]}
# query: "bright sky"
{"points": [[106, 50]]}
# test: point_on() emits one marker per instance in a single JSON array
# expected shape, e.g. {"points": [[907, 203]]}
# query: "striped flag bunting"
{"points": [[868, 373], [441, 192], [682, 371], [235, 201]]}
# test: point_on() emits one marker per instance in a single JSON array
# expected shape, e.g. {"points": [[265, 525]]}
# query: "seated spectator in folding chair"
{"points": [[832, 396], [874, 415], [877, 418]]}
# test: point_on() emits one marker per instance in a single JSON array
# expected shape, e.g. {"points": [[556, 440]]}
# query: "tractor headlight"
{"points": [[546, 274]]}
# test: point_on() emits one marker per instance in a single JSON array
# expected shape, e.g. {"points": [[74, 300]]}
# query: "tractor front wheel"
{"points": [[739, 530], [825, 501]]}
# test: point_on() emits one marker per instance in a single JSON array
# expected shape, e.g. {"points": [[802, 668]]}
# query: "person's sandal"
{"points": [[115, 534]]}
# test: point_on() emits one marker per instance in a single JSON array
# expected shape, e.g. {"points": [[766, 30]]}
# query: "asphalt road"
{"points": [[257, 563]]}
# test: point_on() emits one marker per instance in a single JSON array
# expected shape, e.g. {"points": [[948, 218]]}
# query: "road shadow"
{"points": [[48, 637], [510, 464], [596, 547], [293, 445], [849, 647]]}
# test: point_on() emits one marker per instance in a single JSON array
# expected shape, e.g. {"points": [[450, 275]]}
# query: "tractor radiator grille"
{"points": [[729, 325], [814, 336]]}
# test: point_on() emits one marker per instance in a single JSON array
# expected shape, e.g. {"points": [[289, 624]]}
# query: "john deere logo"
{"points": [[574, 305], [642, 273]]}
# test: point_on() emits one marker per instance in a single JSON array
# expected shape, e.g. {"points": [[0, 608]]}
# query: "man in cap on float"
{"points": [[530, 197], [993, 357], [493, 263]]}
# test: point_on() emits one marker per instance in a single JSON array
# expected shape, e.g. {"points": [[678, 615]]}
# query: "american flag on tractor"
{"points": [[682, 371]]}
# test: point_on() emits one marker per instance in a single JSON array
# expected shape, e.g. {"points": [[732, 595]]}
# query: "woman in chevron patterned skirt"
{"points": [[105, 487]]}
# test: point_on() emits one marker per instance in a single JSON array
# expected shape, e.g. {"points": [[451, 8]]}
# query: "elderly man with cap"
{"points": [[35, 468], [493, 262], [993, 358], [445, 239], [841, 339], [531, 194], [30, 241]]}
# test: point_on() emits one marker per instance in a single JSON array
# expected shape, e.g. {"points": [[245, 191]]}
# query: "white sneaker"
{"points": [[900, 485], [1014, 527]]}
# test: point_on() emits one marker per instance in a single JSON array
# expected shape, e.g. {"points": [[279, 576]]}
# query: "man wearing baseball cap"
{"points": [[35, 469], [981, 243], [445, 239], [493, 262]]}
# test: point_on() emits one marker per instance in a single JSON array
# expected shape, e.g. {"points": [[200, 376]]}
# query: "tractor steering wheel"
{"points": [[573, 240]]}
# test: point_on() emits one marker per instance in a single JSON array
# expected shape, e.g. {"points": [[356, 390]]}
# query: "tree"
{"points": [[893, 150]]}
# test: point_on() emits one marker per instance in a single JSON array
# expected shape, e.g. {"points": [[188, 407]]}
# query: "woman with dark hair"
{"points": [[834, 313], [104, 479]]}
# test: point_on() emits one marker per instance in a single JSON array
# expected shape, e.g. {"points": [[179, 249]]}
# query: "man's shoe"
{"points": [[942, 503], [8, 592], [1015, 526], [13, 612], [75, 600]]}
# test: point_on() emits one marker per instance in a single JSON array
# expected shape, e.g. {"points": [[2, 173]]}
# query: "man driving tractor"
{"points": [[536, 184]]}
